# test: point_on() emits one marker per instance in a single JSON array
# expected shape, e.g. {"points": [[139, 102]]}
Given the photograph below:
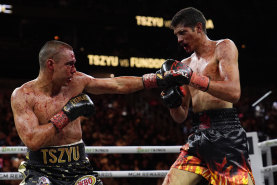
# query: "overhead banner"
{"points": [[5, 8], [161, 22], [132, 62]]}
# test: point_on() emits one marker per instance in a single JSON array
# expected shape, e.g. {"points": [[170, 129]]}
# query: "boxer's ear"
{"points": [[50, 64], [199, 27]]}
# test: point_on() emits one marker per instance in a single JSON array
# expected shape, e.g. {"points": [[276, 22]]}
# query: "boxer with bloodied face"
{"points": [[48, 111]]}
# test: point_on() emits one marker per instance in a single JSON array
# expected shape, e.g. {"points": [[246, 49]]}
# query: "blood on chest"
{"points": [[45, 108]]}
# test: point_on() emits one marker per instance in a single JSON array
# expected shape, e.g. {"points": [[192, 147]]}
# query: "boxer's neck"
{"points": [[47, 84]]}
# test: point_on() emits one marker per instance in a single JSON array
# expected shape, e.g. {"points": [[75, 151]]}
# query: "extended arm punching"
{"points": [[163, 78]]}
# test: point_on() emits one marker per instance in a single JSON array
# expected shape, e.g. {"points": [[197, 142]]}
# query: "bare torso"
{"points": [[206, 65], [45, 106], [33, 105]]}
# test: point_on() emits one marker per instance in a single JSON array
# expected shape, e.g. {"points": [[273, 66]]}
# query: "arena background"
{"points": [[110, 28]]}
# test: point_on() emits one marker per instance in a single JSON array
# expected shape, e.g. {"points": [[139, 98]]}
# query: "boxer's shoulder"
{"points": [[26, 90], [224, 45]]}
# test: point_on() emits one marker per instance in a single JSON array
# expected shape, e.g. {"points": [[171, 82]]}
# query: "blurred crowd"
{"points": [[139, 119]]}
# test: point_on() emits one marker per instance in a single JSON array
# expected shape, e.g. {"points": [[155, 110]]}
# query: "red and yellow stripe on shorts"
{"points": [[218, 176]]}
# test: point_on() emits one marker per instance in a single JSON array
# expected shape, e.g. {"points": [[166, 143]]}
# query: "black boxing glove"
{"points": [[154, 80], [80, 105], [172, 97], [182, 74], [168, 65]]}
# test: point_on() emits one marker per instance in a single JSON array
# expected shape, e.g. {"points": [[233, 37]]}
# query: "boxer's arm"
{"points": [[179, 114], [228, 88], [116, 85], [129, 84], [33, 135]]}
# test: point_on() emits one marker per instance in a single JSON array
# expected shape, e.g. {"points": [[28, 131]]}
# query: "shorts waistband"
{"points": [[216, 118], [58, 155]]}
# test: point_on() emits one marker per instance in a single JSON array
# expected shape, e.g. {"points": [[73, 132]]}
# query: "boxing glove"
{"points": [[154, 80], [182, 74], [168, 65], [80, 105], [172, 97]]}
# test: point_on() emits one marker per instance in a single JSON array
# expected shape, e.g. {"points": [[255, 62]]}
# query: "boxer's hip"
{"points": [[216, 133], [217, 148], [58, 155], [217, 118], [65, 164]]}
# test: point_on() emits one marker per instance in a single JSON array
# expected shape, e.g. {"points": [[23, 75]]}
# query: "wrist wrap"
{"points": [[149, 80], [200, 82], [59, 120]]}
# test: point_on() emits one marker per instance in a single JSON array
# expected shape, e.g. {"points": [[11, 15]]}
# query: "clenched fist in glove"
{"points": [[174, 73], [182, 74], [80, 105], [153, 80], [172, 97]]}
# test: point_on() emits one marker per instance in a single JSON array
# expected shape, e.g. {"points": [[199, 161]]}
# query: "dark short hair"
{"points": [[188, 17], [50, 49]]}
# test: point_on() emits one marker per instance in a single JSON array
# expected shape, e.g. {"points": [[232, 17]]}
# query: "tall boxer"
{"points": [[216, 151]]}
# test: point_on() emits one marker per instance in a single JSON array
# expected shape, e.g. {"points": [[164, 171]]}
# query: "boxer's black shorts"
{"points": [[217, 148], [62, 165]]}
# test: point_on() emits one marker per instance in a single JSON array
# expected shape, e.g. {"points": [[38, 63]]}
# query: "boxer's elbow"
{"points": [[33, 147], [178, 120], [235, 96], [179, 115], [230, 93], [32, 143]]}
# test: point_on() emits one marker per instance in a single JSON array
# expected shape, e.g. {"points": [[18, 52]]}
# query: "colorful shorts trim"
{"points": [[217, 149], [66, 165]]}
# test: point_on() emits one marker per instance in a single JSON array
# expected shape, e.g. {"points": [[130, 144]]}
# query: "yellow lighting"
{"points": [[160, 22], [133, 62], [150, 21], [209, 24], [5, 8]]}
